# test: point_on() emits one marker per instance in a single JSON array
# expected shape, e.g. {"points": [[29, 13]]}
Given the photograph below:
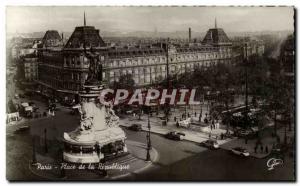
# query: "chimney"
{"points": [[190, 35]]}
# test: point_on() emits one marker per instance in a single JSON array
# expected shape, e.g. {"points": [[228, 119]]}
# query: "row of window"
{"points": [[142, 79], [142, 74], [76, 61], [137, 71], [159, 59], [137, 61]]}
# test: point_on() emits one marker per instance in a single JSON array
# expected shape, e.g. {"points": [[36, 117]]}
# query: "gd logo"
{"points": [[271, 163]]}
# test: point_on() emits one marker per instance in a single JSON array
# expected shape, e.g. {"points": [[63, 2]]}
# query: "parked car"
{"points": [[173, 135], [212, 144], [135, 127], [240, 151], [22, 129]]}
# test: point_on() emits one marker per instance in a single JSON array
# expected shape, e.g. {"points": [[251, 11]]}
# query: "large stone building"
{"points": [[65, 68]]}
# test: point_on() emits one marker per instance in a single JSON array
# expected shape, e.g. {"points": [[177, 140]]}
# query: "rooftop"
{"points": [[85, 36], [216, 36]]}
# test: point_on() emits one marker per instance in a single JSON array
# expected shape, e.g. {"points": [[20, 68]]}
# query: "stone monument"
{"points": [[98, 134]]}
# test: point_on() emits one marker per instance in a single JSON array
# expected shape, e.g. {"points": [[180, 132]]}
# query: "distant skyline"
{"points": [[27, 19]]}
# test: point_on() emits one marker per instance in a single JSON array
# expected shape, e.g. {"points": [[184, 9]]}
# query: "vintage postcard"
{"points": [[140, 93]]}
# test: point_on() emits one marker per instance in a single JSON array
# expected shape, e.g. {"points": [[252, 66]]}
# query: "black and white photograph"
{"points": [[150, 93]]}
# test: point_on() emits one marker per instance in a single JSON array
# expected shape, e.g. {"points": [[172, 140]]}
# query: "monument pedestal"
{"points": [[108, 142]]}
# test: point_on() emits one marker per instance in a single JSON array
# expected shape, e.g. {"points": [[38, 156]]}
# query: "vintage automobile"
{"points": [[212, 144], [240, 151], [135, 127], [22, 129], [173, 135]]}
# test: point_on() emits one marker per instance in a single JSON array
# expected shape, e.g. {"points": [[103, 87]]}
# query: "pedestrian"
{"points": [[195, 114], [255, 148], [267, 149], [211, 127], [261, 148], [222, 136], [177, 124], [175, 118], [188, 114]]}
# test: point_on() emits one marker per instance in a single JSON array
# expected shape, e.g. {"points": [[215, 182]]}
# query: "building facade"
{"points": [[30, 65], [65, 68]]}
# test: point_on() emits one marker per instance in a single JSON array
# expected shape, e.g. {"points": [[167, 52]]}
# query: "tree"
{"points": [[125, 82], [277, 96]]}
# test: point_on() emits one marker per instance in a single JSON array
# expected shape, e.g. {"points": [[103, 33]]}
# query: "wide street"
{"points": [[178, 160]]}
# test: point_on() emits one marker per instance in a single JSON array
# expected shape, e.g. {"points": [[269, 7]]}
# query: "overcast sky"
{"points": [[164, 19]]}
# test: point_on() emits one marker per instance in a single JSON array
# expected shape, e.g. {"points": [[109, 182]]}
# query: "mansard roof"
{"points": [[85, 36], [216, 36], [51, 39]]}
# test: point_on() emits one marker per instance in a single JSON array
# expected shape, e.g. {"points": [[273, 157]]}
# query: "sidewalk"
{"points": [[267, 141]]}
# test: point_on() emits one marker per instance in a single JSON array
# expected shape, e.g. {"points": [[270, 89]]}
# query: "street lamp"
{"points": [[62, 170], [46, 147], [34, 161], [148, 158], [246, 84]]}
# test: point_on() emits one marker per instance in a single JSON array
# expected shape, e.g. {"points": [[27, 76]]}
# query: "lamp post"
{"points": [[148, 158], [34, 161], [62, 169], [46, 147], [246, 84]]}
